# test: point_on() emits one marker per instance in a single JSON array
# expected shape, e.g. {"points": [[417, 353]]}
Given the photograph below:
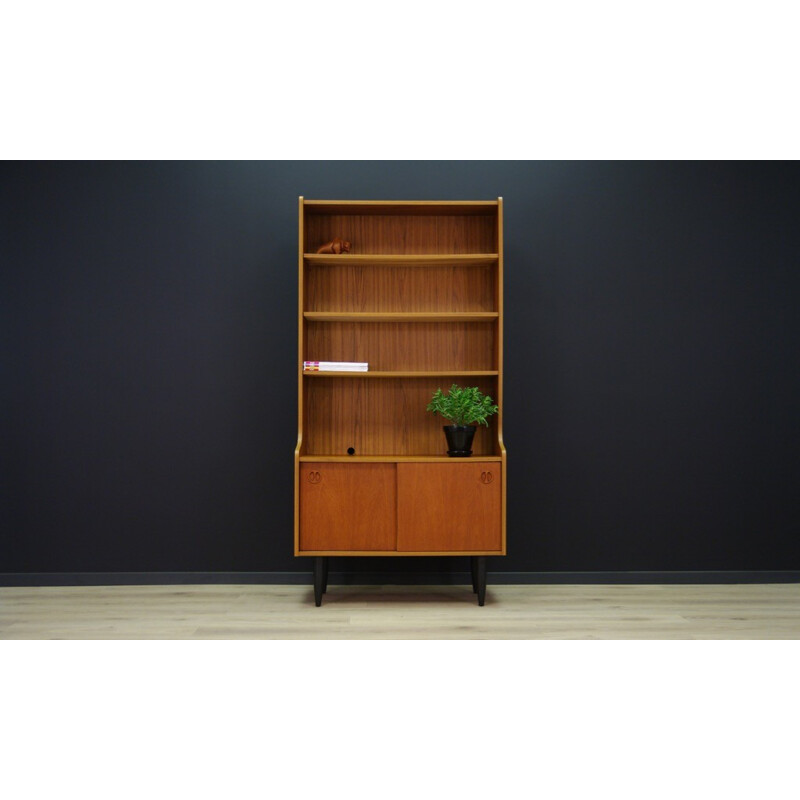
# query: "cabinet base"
{"points": [[477, 566]]}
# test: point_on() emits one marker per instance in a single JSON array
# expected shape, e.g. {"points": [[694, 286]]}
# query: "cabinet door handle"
{"points": [[314, 477], [486, 477]]}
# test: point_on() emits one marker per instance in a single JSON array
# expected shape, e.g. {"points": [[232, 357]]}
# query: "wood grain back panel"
{"points": [[383, 417], [404, 233], [449, 507], [365, 287], [348, 506], [388, 346]]}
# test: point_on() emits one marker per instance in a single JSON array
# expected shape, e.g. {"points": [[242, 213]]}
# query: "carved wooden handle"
{"points": [[314, 477], [486, 477]]}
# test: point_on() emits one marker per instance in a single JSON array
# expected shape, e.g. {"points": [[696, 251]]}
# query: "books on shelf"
{"points": [[335, 366]]}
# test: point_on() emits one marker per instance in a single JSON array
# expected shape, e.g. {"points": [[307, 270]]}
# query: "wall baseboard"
{"points": [[393, 578]]}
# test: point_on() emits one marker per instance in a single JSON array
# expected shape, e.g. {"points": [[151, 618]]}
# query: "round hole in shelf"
{"points": [[351, 451]]}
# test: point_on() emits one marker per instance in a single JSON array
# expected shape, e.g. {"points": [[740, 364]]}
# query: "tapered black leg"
{"points": [[481, 576], [325, 575], [319, 571], [473, 564]]}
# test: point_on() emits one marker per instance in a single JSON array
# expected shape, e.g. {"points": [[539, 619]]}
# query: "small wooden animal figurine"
{"points": [[337, 246]]}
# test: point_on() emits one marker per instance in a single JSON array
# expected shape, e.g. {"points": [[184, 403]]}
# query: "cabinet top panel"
{"points": [[400, 206]]}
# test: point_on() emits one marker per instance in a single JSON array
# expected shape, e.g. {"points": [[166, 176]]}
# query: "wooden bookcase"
{"points": [[419, 297]]}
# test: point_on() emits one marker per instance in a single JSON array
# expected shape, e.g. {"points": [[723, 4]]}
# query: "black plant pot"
{"points": [[459, 440]]}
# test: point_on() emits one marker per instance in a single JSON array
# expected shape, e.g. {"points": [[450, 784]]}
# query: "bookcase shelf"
{"points": [[401, 374], [384, 260], [390, 459], [400, 316], [419, 297]]}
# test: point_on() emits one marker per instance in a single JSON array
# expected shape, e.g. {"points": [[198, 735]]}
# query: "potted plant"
{"points": [[463, 407]]}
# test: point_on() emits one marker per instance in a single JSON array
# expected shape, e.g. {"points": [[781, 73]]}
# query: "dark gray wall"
{"points": [[149, 361]]}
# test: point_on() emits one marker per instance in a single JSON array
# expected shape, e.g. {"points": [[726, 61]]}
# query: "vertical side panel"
{"points": [[300, 404], [499, 342]]}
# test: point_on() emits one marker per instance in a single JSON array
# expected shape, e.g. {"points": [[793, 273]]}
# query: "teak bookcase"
{"points": [[419, 297]]}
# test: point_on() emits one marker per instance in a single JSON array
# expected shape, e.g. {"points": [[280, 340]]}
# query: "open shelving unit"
{"points": [[420, 298]]}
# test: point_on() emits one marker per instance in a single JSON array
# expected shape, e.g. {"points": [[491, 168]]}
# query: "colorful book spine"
{"points": [[335, 366]]}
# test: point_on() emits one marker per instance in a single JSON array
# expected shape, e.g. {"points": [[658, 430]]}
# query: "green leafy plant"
{"points": [[462, 406]]}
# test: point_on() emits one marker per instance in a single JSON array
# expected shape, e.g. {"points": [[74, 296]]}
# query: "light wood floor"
{"points": [[763, 611]]}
